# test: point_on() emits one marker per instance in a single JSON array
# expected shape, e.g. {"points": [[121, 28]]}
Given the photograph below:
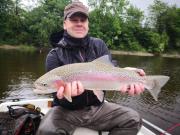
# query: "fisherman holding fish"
{"points": [[78, 96]]}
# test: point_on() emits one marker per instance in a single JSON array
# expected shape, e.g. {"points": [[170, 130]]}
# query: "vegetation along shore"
{"points": [[121, 25], [115, 52]]}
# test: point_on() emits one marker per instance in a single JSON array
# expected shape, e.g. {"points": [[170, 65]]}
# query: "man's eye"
{"points": [[78, 20]]}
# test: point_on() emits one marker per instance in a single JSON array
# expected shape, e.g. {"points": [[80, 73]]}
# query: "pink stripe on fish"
{"points": [[100, 76]]}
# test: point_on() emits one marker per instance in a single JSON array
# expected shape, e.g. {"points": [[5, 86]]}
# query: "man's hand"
{"points": [[139, 71], [134, 89], [75, 87]]}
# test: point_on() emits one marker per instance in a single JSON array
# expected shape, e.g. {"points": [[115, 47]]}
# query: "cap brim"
{"points": [[77, 13]]}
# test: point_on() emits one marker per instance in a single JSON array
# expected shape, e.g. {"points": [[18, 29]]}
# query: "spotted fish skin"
{"points": [[97, 75]]}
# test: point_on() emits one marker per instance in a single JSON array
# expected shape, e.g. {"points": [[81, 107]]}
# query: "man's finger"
{"points": [[80, 88], [60, 93], [124, 88], [74, 88], [131, 90], [138, 89], [141, 72]]}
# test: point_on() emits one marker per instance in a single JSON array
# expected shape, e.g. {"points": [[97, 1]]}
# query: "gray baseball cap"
{"points": [[75, 7]]}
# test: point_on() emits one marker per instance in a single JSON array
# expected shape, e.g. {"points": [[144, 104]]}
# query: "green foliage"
{"points": [[166, 19], [44, 20], [33, 27], [172, 25], [10, 21], [157, 43], [118, 23], [152, 41]]}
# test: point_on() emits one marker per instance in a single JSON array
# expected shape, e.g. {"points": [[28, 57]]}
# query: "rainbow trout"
{"points": [[97, 75]]}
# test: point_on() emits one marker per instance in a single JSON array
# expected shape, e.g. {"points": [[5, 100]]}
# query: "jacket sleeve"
{"points": [[104, 49], [101, 48], [52, 60]]}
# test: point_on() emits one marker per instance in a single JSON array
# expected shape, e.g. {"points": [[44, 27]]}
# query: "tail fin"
{"points": [[155, 83]]}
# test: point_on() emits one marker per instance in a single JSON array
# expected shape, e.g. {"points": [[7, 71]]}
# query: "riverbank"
{"points": [[24, 48], [115, 52], [175, 55], [9, 47]]}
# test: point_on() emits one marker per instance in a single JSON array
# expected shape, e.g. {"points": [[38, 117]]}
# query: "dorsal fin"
{"points": [[103, 59]]}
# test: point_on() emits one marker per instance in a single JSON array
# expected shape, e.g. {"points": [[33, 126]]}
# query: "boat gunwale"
{"points": [[38, 103]]}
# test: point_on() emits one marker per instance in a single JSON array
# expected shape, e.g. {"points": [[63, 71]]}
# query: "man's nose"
{"points": [[79, 22]]}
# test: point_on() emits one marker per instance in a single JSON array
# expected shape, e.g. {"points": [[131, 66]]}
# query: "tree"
{"points": [[166, 20], [106, 19], [6, 14], [132, 25], [157, 9], [44, 20], [11, 22], [172, 26]]}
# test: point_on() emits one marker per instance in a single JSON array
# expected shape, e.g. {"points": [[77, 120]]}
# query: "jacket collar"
{"points": [[63, 39]]}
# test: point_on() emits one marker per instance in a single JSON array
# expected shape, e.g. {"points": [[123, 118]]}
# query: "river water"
{"points": [[18, 71]]}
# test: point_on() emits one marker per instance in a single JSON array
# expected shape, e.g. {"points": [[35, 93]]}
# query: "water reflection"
{"points": [[18, 71]]}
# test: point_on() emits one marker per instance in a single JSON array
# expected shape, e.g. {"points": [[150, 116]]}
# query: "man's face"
{"points": [[77, 26]]}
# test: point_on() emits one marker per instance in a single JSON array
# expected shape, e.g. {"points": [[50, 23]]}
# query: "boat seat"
{"points": [[86, 131]]}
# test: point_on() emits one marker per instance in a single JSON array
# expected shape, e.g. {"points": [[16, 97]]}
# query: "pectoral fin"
{"points": [[99, 94]]}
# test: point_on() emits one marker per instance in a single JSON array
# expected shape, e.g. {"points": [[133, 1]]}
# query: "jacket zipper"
{"points": [[83, 60]]}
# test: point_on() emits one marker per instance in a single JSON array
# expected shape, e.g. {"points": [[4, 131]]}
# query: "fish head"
{"points": [[48, 84]]}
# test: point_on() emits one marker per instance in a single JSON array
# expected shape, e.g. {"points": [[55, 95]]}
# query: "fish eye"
{"points": [[44, 84]]}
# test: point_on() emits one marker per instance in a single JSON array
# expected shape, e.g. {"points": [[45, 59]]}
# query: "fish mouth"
{"points": [[43, 90], [38, 89]]}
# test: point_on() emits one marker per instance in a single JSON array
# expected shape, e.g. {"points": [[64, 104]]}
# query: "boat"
{"points": [[45, 104]]}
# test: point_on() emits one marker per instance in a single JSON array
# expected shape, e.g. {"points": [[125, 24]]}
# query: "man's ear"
{"points": [[64, 25]]}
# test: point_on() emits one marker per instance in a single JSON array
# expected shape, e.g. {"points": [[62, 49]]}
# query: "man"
{"points": [[72, 46]]}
